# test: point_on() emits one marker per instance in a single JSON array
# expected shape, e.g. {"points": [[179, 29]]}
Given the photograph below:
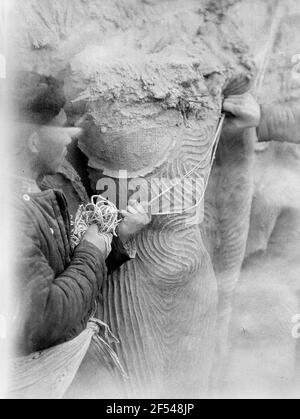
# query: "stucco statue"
{"points": [[155, 118]]}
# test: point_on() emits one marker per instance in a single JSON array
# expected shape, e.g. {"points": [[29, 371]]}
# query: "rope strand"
{"points": [[211, 151]]}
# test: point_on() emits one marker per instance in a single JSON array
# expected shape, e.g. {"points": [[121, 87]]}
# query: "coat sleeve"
{"points": [[54, 309], [280, 123]]}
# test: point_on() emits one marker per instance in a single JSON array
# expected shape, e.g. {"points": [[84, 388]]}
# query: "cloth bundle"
{"points": [[49, 374]]}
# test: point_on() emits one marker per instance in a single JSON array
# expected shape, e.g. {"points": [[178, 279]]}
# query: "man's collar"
{"points": [[27, 185]]}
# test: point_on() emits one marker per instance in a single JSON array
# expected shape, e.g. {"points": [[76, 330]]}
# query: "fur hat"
{"points": [[37, 98]]}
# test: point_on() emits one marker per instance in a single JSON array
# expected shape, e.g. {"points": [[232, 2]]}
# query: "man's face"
{"points": [[52, 148]]}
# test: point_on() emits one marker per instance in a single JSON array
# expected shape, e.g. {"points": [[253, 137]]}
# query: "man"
{"points": [[56, 287]]}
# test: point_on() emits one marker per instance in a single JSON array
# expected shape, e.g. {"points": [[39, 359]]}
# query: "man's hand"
{"points": [[134, 220], [245, 112], [101, 241]]}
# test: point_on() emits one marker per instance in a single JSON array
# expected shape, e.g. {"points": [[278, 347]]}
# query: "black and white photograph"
{"points": [[150, 205]]}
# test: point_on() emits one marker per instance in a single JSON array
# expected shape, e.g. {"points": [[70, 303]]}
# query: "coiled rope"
{"points": [[100, 212]]}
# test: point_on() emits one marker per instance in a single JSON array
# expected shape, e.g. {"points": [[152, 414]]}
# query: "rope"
{"points": [[268, 48], [99, 211]]}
